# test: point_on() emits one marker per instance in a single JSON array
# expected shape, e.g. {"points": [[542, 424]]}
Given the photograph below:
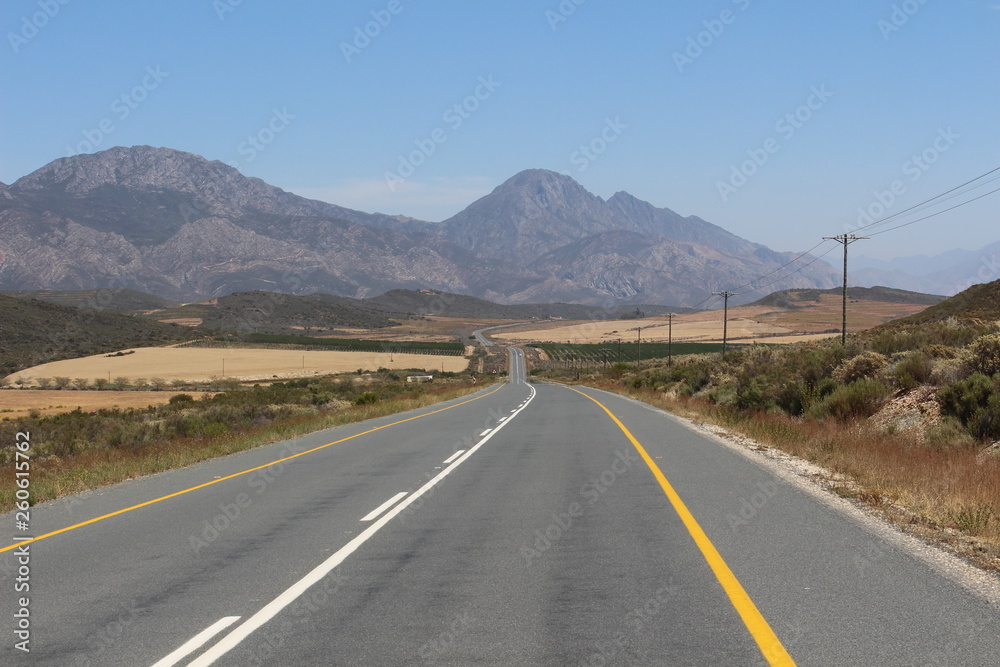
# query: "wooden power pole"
{"points": [[725, 317], [846, 240]]}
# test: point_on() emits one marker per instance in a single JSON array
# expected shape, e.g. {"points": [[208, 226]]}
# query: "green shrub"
{"points": [[859, 399], [753, 396], [975, 401], [181, 398], [792, 398], [913, 371], [366, 398]]}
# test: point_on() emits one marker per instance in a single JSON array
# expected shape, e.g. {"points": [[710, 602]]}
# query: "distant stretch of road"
{"points": [[527, 524], [484, 341]]}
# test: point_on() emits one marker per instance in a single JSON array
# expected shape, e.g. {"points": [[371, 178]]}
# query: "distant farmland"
{"points": [[596, 353], [290, 342]]}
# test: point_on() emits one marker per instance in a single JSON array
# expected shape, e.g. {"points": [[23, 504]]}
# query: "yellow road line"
{"points": [[765, 637], [239, 474]]}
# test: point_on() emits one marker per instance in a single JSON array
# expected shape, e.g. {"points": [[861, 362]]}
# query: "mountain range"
{"points": [[182, 227], [946, 273]]}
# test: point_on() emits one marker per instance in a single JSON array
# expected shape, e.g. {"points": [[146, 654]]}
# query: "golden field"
{"points": [[766, 324], [194, 364]]}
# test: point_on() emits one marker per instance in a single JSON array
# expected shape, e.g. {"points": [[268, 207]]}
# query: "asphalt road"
{"points": [[518, 526]]}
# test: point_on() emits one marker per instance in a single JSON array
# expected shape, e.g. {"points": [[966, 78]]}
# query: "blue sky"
{"points": [[666, 99]]}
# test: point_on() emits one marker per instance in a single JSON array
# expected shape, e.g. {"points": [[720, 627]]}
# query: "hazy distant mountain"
{"points": [[947, 273], [625, 249], [179, 226]]}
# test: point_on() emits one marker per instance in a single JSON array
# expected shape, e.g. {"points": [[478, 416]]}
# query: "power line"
{"points": [[770, 273], [951, 208], [928, 201]]}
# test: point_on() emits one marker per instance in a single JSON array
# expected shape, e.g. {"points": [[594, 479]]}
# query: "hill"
{"points": [[325, 314], [110, 300], [274, 313], [980, 303], [432, 302], [33, 332], [797, 298]]}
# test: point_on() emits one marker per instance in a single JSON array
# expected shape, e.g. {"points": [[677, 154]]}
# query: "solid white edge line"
{"points": [[196, 642], [272, 609], [453, 456], [384, 506]]}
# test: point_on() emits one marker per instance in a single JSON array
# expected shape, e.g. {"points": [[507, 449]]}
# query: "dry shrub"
{"points": [[984, 354], [865, 365]]}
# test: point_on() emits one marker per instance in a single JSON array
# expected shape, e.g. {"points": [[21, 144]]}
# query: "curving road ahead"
{"points": [[523, 525]]}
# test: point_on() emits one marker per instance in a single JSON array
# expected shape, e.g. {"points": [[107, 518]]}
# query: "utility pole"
{"points": [[638, 347], [725, 317], [846, 240], [670, 339]]}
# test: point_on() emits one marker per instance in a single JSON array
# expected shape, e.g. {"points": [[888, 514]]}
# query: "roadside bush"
{"points": [[913, 371], [975, 401], [816, 364], [753, 396], [865, 365], [949, 433], [948, 371], [366, 398], [985, 354], [859, 399], [181, 398], [793, 398], [937, 351]]}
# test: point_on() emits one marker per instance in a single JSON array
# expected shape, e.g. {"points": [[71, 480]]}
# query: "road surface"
{"points": [[523, 525]]}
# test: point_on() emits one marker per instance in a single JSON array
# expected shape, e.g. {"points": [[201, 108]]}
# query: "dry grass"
{"points": [[17, 403], [54, 477], [746, 323], [947, 495], [194, 364]]}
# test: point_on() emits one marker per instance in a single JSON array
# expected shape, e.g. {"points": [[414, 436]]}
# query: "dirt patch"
{"points": [[913, 411]]}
